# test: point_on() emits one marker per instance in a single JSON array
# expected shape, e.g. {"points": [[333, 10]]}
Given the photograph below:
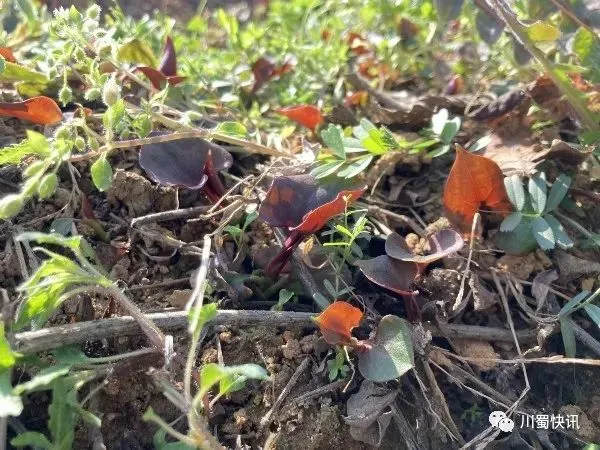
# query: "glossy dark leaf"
{"points": [[395, 275], [488, 28], [41, 110], [182, 162], [168, 63], [301, 203], [441, 244], [306, 115], [337, 321]]}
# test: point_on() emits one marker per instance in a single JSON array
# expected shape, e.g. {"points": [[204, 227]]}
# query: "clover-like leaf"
{"points": [[40, 110], [518, 241], [511, 221], [337, 321], [560, 235], [559, 189], [473, 181], [308, 116], [515, 191], [300, 203], [543, 233], [183, 162], [391, 355], [393, 274], [537, 191]]}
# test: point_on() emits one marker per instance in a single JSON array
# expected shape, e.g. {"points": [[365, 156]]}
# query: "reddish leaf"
{"points": [[473, 181], [358, 98], [264, 70], [168, 63], [358, 44], [407, 29], [7, 54], [395, 275], [441, 243], [300, 204], [185, 162], [41, 110], [306, 115], [456, 85], [157, 79], [337, 321]]}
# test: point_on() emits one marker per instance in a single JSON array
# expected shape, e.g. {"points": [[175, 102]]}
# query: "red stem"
{"points": [[280, 260]]}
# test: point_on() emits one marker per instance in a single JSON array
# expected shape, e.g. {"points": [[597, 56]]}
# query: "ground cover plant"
{"points": [[290, 224]]}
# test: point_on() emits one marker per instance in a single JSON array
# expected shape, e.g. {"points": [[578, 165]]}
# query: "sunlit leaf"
{"points": [[15, 72], [560, 235], [102, 174], [306, 115], [511, 221], [543, 233], [40, 110], [10, 404], [136, 51], [537, 192], [515, 191], [542, 32], [393, 274], [337, 321]]}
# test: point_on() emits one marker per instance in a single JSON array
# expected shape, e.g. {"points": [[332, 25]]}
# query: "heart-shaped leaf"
{"points": [[391, 355], [395, 275], [301, 204], [41, 110], [473, 181], [182, 162], [337, 321], [306, 115]]}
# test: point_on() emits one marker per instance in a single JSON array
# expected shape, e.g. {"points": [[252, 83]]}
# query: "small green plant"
{"points": [[337, 367], [349, 156], [285, 296], [443, 130], [532, 223], [237, 231], [586, 301]]}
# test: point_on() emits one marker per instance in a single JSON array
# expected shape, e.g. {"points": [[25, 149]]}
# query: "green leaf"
{"points": [[213, 373], [450, 129], [137, 51], [35, 144], [392, 353], [573, 303], [321, 300], [324, 170], [62, 418], [61, 226], [7, 356], [594, 313], [560, 235], [10, 404], [47, 186], [537, 191], [511, 222], [373, 140], [114, 114], [234, 129], [515, 191], [198, 318], [332, 137], [233, 230], [543, 233], [356, 167], [42, 380], [32, 439], [542, 32], [15, 72], [587, 48], [102, 174], [520, 240], [568, 336], [284, 297], [560, 187], [438, 121], [442, 150]]}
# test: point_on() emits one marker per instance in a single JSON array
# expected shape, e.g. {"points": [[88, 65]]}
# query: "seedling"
{"points": [[533, 224], [303, 206], [387, 356], [337, 367], [167, 70], [584, 301], [237, 232], [443, 130], [348, 157], [191, 163], [399, 268]]}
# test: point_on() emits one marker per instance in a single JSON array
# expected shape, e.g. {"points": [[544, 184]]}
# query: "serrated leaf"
{"points": [[511, 222], [35, 144], [537, 191], [515, 191], [568, 336], [520, 240], [357, 167], [560, 235], [332, 137], [15, 72], [102, 174], [543, 233], [542, 32], [559, 189], [391, 355]]}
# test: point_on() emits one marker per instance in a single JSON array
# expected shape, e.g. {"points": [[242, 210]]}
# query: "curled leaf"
{"points": [[395, 275], [337, 321], [158, 79], [473, 181], [41, 110], [306, 115], [183, 162], [264, 69], [301, 204], [168, 63], [441, 243]]}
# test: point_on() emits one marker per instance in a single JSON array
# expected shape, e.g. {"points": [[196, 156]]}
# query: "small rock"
{"points": [[179, 297]]}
